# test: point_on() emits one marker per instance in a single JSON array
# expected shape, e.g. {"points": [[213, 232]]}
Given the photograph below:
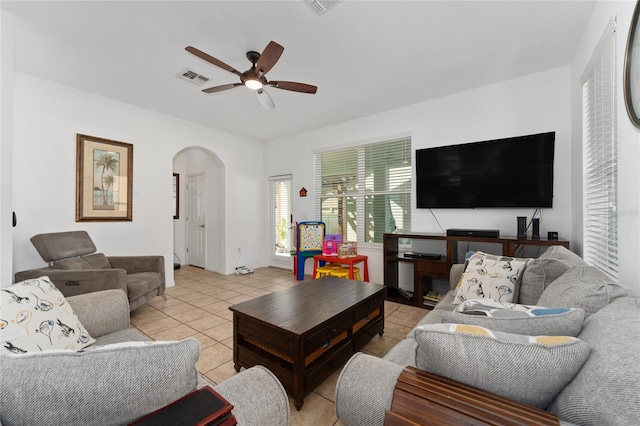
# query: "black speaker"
{"points": [[522, 227], [552, 235], [535, 233]]}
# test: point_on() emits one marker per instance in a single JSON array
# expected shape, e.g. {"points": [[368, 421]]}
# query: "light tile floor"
{"points": [[198, 306]]}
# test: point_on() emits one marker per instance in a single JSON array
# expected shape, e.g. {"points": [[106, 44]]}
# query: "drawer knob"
{"points": [[333, 330]]}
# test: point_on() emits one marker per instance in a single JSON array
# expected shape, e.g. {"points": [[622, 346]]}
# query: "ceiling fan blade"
{"points": [[217, 62], [268, 58], [221, 88], [293, 86], [265, 99]]}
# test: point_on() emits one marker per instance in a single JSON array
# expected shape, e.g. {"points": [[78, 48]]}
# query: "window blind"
{"points": [[364, 191], [600, 163]]}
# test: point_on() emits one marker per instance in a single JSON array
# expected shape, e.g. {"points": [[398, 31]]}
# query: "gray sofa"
{"points": [[121, 382], [75, 268], [603, 390]]}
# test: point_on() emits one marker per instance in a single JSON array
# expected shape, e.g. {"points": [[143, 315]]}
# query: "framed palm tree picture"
{"points": [[104, 180]]}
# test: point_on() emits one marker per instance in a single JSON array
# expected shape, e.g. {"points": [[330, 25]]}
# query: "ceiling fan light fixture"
{"points": [[253, 84]]}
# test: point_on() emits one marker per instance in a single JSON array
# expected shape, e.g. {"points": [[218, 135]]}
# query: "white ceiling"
{"points": [[365, 56]]}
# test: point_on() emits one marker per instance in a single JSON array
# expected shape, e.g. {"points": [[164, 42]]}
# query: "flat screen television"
{"points": [[510, 172]]}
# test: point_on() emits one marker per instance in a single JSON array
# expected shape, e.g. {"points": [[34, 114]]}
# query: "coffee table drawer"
{"points": [[255, 332], [368, 307], [327, 334], [363, 337], [248, 358], [323, 370]]}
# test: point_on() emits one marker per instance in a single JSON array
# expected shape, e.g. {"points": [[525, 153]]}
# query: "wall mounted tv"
{"points": [[511, 172]]}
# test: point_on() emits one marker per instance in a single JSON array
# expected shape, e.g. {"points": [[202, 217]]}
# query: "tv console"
{"points": [[427, 266]]}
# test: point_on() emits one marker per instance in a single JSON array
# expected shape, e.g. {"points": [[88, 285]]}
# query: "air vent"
{"points": [[322, 6], [193, 77]]}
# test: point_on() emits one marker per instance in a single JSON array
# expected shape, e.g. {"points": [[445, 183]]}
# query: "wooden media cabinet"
{"points": [[409, 279]]}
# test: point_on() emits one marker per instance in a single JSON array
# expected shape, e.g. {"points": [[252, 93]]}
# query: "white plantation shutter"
{"points": [[364, 191], [600, 162]]}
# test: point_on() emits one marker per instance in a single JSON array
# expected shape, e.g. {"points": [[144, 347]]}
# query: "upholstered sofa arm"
{"points": [[136, 264], [74, 282], [365, 390], [102, 312], [257, 396], [454, 274]]}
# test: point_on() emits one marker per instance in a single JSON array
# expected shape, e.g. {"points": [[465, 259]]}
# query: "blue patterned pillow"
{"points": [[519, 319]]}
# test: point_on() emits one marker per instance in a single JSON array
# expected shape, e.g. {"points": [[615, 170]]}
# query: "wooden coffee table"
{"points": [[304, 333]]}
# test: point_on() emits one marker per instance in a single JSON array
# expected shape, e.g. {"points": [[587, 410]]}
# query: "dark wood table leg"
{"points": [[237, 367]]}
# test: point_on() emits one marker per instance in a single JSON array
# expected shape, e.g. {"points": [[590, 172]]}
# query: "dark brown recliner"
{"points": [[75, 268]]}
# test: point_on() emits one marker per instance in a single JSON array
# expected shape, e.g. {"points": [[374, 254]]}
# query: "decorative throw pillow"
{"points": [[518, 319], [491, 277], [583, 287], [544, 270], [35, 316], [528, 369]]}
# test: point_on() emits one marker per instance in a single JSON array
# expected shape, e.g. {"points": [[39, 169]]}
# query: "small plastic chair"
{"points": [[344, 273], [322, 271], [340, 273]]}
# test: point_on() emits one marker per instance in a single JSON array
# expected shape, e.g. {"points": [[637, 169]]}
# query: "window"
{"points": [[280, 190], [600, 160], [364, 191]]}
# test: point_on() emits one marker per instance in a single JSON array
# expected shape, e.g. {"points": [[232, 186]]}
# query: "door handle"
{"points": [[201, 226]]}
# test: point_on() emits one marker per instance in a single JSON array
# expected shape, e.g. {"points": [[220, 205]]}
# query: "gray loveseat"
{"points": [[117, 384], [604, 390]]}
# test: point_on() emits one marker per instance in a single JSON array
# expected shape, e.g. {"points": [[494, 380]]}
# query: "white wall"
{"points": [[532, 104], [47, 117], [6, 145], [628, 140]]}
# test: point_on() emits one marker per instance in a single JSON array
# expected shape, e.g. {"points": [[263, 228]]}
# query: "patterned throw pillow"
{"points": [[519, 319], [35, 316], [487, 276], [527, 369]]}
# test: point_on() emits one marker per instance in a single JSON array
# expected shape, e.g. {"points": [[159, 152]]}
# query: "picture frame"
{"points": [[104, 180], [176, 196], [632, 69]]}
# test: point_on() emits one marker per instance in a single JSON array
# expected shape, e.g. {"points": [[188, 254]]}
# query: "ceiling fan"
{"points": [[254, 78]]}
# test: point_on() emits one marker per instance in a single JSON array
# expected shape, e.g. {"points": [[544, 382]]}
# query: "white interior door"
{"points": [[281, 226], [196, 220]]}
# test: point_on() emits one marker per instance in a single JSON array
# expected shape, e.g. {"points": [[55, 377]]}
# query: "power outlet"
{"points": [[238, 251]]}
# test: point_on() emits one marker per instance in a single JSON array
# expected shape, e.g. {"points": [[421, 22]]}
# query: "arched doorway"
{"points": [[198, 233]]}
